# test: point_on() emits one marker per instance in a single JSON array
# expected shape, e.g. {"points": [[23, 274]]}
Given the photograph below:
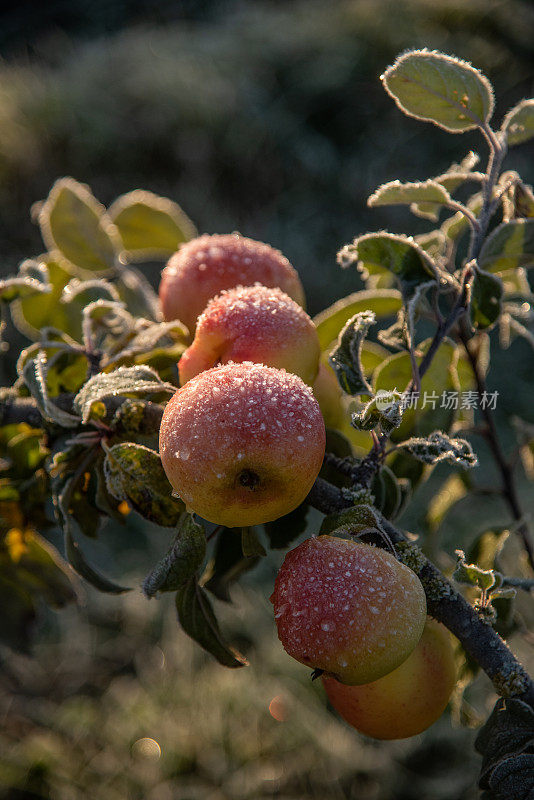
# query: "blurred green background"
{"points": [[267, 118]]}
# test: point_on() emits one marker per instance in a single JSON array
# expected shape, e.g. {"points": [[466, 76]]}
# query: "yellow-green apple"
{"points": [[205, 266], [336, 406], [253, 323], [242, 444], [348, 608], [406, 701]]}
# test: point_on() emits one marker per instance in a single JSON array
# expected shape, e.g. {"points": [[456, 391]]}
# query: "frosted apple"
{"points": [[253, 323], [348, 608], [205, 266], [406, 701], [242, 444]]}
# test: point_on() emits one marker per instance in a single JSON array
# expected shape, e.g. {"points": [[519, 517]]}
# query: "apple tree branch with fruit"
{"points": [[223, 412]]}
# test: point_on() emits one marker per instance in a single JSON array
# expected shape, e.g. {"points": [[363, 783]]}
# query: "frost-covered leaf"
{"points": [[32, 313], [34, 374], [506, 743], [486, 299], [135, 473], [345, 358], [384, 411], [150, 226], [76, 227], [400, 255], [197, 619], [454, 227], [181, 562], [31, 279], [124, 382], [137, 294], [153, 340], [437, 447], [518, 123], [382, 302], [442, 89], [471, 574], [432, 243], [352, 521], [424, 198], [105, 325], [509, 246]]}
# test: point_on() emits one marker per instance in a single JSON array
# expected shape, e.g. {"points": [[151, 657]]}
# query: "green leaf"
{"points": [[151, 338], [181, 562], [384, 411], [250, 543], [510, 245], [441, 89], [227, 564], [432, 243], [124, 382], [197, 619], [486, 299], [437, 447], [471, 574], [32, 313], [424, 198], [78, 561], [31, 279], [150, 226], [505, 743], [34, 374], [383, 302], [454, 227], [352, 521], [137, 294], [518, 124], [345, 358], [388, 493], [398, 254], [134, 473], [75, 226]]}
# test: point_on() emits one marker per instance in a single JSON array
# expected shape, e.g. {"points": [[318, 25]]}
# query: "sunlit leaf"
{"points": [[442, 89], [518, 123], [75, 225], [382, 302], [150, 226]]}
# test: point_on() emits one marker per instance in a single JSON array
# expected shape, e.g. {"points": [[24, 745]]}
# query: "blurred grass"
{"points": [[117, 673]]}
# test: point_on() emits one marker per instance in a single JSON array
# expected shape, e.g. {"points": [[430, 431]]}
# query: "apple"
{"points": [[253, 323], [348, 608], [242, 444], [205, 266], [406, 701]]}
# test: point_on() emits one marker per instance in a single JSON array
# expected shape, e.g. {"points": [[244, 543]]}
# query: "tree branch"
{"points": [[445, 604]]}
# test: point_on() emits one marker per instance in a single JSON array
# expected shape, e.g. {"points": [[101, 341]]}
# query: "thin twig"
{"points": [[509, 488]]}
